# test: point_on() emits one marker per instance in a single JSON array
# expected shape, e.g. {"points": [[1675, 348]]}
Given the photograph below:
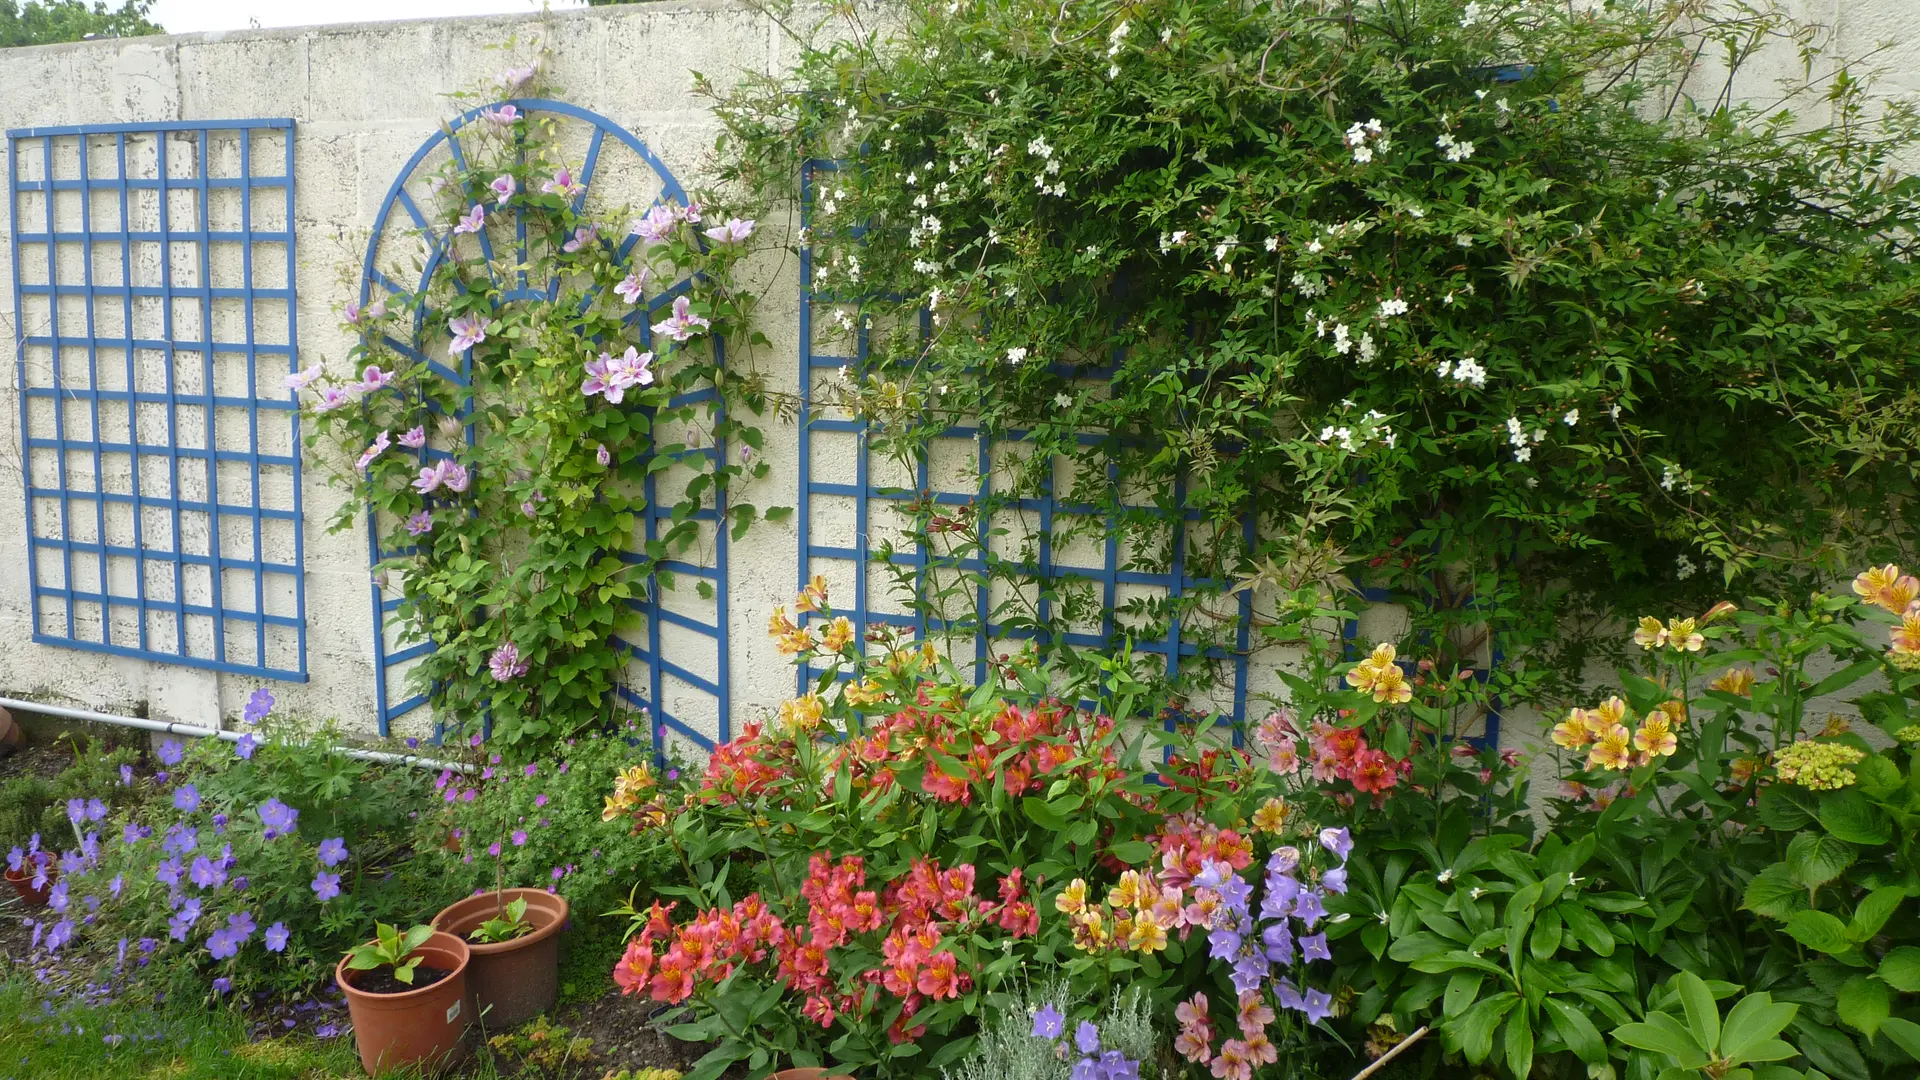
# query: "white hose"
{"points": [[194, 731]]}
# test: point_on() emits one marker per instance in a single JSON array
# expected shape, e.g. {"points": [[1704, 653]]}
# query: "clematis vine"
{"points": [[503, 187], [472, 222], [683, 323], [467, 331], [562, 184], [629, 287], [373, 450], [733, 231]]}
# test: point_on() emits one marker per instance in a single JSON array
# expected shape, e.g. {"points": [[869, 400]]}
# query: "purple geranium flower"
{"points": [[519, 838], [332, 852], [126, 776], [114, 886], [222, 945], [261, 703], [244, 746], [222, 984], [277, 937], [467, 331], [206, 874], [326, 886], [186, 799], [278, 817], [61, 933], [168, 872], [76, 810]]}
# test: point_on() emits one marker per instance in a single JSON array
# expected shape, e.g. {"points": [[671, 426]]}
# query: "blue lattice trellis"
{"points": [[153, 269], [1109, 575], [669, 678]]}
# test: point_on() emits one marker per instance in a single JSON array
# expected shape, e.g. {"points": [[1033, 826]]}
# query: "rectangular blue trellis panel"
{"points": [[153, 271], [1108, 570]]}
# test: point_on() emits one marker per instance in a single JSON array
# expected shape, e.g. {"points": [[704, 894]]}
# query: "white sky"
{"points": [[192, 16]]}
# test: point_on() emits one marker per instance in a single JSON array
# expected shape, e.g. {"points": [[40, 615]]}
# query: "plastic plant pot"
{"points": [[22, 882], [510, 982], [422, 1027]]}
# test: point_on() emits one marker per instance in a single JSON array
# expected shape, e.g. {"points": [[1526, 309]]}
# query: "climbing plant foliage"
{"points": [[1508, 306], [509, 422]]}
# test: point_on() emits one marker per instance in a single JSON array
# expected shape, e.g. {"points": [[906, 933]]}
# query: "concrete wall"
{"points": [[363, 98]]}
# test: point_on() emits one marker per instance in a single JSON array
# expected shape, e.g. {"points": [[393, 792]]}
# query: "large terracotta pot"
{"points": [[423, 1026], [510, 982], [22, 882]]}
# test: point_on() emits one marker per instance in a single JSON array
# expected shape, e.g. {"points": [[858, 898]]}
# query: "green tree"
{"points": [[51, 21]]}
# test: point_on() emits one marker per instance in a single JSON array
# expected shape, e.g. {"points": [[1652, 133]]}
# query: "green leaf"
{"points": [[1900, 969], [1786, 808], [1519, 1043], [1873, 911], [1878, 776], [1662, 1034], [1586, 927], [1462, 989], [1904, 1033], [1475, 1029], [1819, 931], [1851, 817], [1577, 1031], [1842, 679], [1830, 1050], [1817, 858], [1703, 1013], [1753, 1022], [1864, 1004], [1774, 894]]}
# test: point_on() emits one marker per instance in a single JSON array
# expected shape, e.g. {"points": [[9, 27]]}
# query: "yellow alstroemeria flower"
{"points": [[1682, 636], [1392, 687], [1606, 716], [1735, 681], [1271, 817], [1656, 738], [814, 596], [778, 625], [1572, 733], [1650, 634], [1886, 587], [1611, 751], [1072, 899], [1148, 935], [838, 635]]}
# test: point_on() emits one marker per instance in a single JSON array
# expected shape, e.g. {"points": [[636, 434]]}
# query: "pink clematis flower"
{"points": [[431, 477], [467, 331], [582, 237], [563, 184], [473, 222], [456, 477], [503, 188], [420, 523], [333, 397], [380, 443], [601, 455], [374, 379], [299, 379], [414, 438], [613, 376], [504, 115], [630, 286], [689, 213], [505, 663], [514, 78], [657, 225], [732, 232], [682, 324]]}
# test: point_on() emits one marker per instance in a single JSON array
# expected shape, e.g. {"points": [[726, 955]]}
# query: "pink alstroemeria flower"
{"points": [[374, 379], [414, 438], [630, 286], [734, 231], [657, 225], [299, 379], [503, 188], [473, 222], [380, 443], [682, 324], [467, 331], [563, 184], [582, 237]]}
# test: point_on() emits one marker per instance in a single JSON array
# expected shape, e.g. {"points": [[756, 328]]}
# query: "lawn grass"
{"points": [[175, 1044]]}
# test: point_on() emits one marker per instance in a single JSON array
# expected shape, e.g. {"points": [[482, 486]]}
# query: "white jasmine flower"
{"points": [[1039, 147], [1273, 243], [1342, 342], [1683, 568], [1470, 371], [1314, 247], [1572, 417], [1016, 354], [1392, 307], [1063, 400], [1366, 348], [1472, 14]]}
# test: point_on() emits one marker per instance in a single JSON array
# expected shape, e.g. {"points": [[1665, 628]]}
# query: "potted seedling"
{"points": [[32, 876], [407, 994], [514, 936]]}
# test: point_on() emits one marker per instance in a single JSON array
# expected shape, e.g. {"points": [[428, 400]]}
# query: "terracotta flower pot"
{"points": [[815, 1073], [510, 982], [22, 882], [423, 1026]]}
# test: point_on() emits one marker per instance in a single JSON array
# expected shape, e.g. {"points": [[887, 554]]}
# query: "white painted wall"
{"points": [[363, 98]]}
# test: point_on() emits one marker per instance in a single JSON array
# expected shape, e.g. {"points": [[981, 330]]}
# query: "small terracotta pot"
{"points": [[815, 1073], [510, 982], [419, 1027], [22, 882]]}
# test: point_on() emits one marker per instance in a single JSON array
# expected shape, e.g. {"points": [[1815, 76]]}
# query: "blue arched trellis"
{"points": [[651, 651]]}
